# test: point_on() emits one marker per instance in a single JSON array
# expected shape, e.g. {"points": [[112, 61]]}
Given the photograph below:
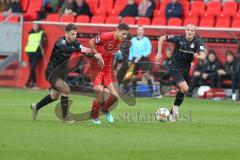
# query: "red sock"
{"points": [[95, 109], [110, 101]]}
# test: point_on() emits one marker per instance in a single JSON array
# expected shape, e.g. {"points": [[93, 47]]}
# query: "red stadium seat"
{"points": [[185, 5], [93, 4], [115, 11], [67, 18], [161, 21], [206, 23], [34, 5], [236, 23], [223, 16], [82, 19], [191, 14], [53, 17], [106, 4], [214, 7], [30, 16], [100, 12], [120, 4], [158, 13], [174, 22], [236, 16], [129, 20], [112, 20], [198, 6], [97, 19], [191, 21], [223, 23], [143, 21], [24, 4], [208, 15], [230, 7]]}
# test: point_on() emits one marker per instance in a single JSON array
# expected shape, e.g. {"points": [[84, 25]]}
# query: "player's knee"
{"points": [[184, 89], [66, 91], [55, 96], [98, 89]]}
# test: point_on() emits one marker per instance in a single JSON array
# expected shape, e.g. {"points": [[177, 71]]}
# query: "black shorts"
{"points": [[144, 64], [53, 75], [180, 76]]}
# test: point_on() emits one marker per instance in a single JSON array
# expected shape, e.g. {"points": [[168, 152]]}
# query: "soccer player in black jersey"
{"points": [[57, 70], [187, 47]]}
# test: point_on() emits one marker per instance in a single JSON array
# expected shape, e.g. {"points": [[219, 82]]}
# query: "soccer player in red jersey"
{"points": [[103, 76]]}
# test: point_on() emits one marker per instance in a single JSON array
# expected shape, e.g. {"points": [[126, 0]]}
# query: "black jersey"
{"points": [[230, 67], [184, 51], [168, 62], [212, 67], [61, 52], [200, 66]]}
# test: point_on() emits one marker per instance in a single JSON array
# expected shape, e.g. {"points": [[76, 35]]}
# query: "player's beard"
{"points": [[71, 39]]}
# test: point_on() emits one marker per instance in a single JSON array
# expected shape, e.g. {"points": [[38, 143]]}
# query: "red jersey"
{"points": [[107, 46]]}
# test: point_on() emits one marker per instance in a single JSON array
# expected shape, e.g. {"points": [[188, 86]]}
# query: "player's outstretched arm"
{"points": [[86, 50], [97, 55], [62, 45], [160, 46], [201, 55]]}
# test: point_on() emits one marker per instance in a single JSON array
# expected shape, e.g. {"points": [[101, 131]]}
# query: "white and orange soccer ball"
{"points": [[162, 114]]}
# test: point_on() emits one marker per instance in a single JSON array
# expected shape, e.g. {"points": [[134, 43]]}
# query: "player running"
{"points": [[187, 47], [103, 76], [57, 70]]}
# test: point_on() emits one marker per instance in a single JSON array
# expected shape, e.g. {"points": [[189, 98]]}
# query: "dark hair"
{"points": [[211, 52], [70, 27], [229, 53], [123, 26]]}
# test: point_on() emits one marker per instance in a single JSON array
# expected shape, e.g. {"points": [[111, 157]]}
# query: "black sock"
{"points": [[134, 86], [179, 98], [150, 85], [64, 103], [46, 100]]}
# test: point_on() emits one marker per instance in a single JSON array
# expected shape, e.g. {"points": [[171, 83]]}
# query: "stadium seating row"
{"points": [[204, 22], [211, 14]]}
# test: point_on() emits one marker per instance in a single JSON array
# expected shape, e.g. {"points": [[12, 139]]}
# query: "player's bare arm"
{"points": [[97, 55], [160, 46]]}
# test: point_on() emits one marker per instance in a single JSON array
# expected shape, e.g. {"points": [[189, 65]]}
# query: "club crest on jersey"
{"points": [[192, 45], [110, 47]]}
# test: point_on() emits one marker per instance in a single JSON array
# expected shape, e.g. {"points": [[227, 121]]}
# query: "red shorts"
{"points": [[103, 76]]}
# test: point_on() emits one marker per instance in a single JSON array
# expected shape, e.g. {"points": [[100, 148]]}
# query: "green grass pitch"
{"points": [[211, 132]]}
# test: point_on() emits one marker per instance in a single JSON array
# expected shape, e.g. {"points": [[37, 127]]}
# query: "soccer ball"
{"points": [[162, 114]]}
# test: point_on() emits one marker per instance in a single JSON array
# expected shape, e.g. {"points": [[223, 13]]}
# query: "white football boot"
{"points": [[174, 114]]}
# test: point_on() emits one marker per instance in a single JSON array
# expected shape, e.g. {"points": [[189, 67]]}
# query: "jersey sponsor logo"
{"points": [[110, 47], [185, 51], [192, 45], [63, 41], [202, 48], [98, 40], [170, 36]]}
